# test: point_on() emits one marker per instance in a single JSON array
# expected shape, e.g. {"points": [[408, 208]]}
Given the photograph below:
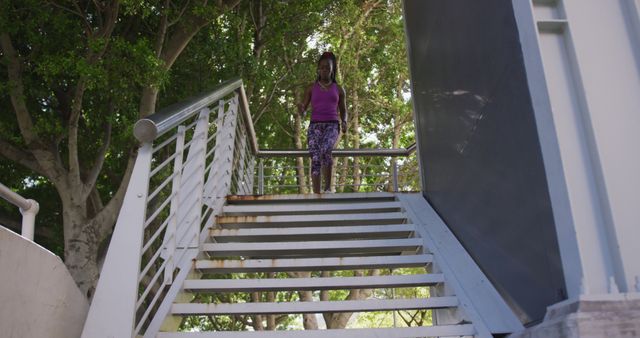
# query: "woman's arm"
{"points": [[342, 106], [306, 98]]}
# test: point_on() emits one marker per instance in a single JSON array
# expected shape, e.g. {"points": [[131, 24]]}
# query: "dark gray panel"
{"points": [[479, 148]]}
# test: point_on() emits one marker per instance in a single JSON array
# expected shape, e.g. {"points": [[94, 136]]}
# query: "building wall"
{"points": [[583, 61], [38, 297], [481, 163]]}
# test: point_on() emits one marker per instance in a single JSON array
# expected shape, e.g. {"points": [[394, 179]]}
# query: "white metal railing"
{"points": [[192, 155], [364, 173], [28, 208]]}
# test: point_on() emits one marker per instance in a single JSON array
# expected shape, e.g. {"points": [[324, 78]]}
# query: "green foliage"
{"points": [[272, 45]]}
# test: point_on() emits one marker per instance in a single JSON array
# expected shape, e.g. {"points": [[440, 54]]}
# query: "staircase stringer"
{"points": [[479, 300], [162, 314]]}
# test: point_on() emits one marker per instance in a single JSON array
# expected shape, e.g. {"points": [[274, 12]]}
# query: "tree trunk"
{"points": [[341, 319], [297, 134], [309, 320]]}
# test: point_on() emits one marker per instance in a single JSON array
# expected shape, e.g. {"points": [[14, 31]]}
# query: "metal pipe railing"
{"points": [[151, 127], [340, 152], [28, 208]]}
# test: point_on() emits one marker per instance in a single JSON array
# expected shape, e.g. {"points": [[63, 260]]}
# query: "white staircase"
{"points": [[180, 237], [361, 231]]}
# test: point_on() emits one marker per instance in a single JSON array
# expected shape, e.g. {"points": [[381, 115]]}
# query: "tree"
{"points": [[76, 75]]}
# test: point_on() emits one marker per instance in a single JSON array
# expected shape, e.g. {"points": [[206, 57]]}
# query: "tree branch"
{"points": [[162, 31], [185, 30], [24, 158], [92, 177], [110, 212], [266, 102], [16, 91], [109, 16]]}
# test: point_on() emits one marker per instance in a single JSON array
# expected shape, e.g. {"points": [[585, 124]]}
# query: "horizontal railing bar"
{"points": [[147, 267], [14, 198], [157, 212], [149, 308], [161, 186], [191, 125], [150, 285], [149, 128], [162, 165], [167, 141], [157, 233], [339, 152]]}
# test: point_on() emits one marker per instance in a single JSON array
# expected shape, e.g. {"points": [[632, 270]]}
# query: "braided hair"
{"points": [[332, 57]]}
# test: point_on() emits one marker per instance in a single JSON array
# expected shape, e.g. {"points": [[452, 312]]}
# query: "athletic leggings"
{"points": [[321, 137]]}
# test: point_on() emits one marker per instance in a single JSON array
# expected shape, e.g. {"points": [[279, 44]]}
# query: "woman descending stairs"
{"points": [[287, 239]]}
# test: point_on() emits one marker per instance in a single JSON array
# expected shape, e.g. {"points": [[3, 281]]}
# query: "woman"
{"points": [[326, 98]]}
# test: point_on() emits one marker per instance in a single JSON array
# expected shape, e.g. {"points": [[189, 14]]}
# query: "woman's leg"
{"points": [[329, 137]]}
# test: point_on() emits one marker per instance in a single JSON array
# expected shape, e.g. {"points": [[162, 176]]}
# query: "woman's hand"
{"points": [[343, 126]]}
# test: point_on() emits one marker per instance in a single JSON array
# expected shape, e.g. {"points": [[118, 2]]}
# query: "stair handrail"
{"points": [[173, 196], [28, 208], [151, 127]]}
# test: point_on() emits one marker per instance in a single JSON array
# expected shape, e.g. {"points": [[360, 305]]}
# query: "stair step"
{"points": [[324, 233], [312, 264], [319, 283], [314, 307], [312, 198], [297, 209], [347, 248], [311, 220], [403, 332]]}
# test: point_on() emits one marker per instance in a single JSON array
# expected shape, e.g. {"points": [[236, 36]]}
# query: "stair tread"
{"points": [[317, 283], [310, 198], [305, 264], [346, 247], [310, 220], [270, 209], [400, 332], [314, 307], [292, 233]]}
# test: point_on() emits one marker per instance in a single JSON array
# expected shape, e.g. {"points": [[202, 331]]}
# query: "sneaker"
{"points": [[328, 191]]}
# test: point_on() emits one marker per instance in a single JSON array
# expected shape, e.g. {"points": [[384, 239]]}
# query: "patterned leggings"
{"points": [[322, 137]]}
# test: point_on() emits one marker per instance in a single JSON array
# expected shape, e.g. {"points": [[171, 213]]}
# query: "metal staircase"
{"points": [[315, 233], [189, 221], [290, 233]]}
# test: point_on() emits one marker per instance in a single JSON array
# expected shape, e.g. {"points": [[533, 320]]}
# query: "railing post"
{"points": [[29, 219], [261, 177], [219, 181], [395, 176], [28, 209], [170, 236], [113, 308]]}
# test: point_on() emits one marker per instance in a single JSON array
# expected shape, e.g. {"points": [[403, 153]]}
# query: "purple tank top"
{"points": [[324, 103]]}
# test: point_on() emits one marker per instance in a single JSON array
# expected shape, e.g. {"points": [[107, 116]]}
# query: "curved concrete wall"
{"points": [[38, 297], [480, 157]]}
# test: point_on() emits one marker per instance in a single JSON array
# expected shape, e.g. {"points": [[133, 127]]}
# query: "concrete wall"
{"points": [[38, 297], [480, 156]]}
